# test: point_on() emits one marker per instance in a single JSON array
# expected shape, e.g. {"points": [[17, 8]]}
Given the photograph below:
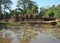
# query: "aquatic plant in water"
{"points": [[27, 34]]}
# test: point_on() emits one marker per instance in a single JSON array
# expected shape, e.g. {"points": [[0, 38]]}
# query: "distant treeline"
{"points": [[27, 9]]}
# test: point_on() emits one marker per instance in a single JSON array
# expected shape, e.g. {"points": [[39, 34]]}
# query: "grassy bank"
{"points": [[27, 24], [14, 24]]}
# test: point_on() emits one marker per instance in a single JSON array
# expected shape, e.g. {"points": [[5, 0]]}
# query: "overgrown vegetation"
{"points": [[27, 7], [15, 24]]}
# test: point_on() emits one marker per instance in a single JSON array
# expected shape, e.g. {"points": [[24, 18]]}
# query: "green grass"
{"points": [[14, 24]]}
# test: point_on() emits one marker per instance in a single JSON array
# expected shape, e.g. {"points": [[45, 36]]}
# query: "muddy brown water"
{"points": [[39, 39]]}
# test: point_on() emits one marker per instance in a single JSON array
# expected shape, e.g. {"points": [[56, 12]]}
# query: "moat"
{"points": [[30, 34]]}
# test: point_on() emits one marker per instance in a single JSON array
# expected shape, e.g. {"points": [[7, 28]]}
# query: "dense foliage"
{"points": [[27, 7], [51, 12]]}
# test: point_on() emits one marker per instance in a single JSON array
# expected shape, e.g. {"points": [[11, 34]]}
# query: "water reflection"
{"points": [[7, 33], [11, 36], [15, 40]]}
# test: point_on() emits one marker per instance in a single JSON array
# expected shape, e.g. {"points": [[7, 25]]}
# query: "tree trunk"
{"points": [[0, 9]]}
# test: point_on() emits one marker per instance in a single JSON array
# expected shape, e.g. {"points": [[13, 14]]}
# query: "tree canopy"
{"points": [[51, 12], [27, 7]]}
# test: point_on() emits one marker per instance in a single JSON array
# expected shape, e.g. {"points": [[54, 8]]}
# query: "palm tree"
{"points": [[27, 6], [0, 6], [7, 4]]}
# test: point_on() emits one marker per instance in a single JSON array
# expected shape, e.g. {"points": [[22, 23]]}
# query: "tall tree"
{"points": [[27, 6], [7, 4], [51, 11], [57, 11], [0, 6]]}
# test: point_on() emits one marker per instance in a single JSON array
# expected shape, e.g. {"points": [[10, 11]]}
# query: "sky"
{"points": [[40, 3]]}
